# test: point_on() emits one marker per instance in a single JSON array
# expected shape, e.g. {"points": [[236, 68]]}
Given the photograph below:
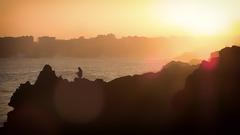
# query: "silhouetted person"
{"points": [[79, 73]]}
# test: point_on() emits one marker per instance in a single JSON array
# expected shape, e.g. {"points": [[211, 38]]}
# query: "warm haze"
{"points": [[211, 24], [93, 67], [72, 18]]}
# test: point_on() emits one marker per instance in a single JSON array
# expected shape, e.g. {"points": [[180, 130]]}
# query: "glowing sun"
{"points": [[194, 19]]}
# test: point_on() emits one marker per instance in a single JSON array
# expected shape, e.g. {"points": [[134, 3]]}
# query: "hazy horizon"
{"points": [[150, 18], [109, 45]]}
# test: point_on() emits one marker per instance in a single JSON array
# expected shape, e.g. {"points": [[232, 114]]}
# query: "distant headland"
{"points": [[100, 46]]}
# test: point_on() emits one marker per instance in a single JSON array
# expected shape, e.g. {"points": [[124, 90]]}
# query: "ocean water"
{"points": [[14, 71]]}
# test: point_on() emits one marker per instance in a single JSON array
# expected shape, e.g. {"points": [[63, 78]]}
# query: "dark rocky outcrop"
{"points": [[54, 105], [210, 100], [151, 103]]}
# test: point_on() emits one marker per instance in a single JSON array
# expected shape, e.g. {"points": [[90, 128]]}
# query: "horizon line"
{"points": [[107, 34]]}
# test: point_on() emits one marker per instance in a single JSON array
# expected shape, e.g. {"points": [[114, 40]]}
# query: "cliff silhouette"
{"points": [[179, 99], [210, 100]]}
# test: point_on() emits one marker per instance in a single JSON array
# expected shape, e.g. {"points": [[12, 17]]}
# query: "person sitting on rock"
{"points": [[79, 73]]}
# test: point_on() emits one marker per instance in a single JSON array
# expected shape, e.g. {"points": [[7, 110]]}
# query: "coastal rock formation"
{"points": [[210, 100], [151, 103], [55, 105]]}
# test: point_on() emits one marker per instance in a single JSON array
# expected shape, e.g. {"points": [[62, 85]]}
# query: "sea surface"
{"points": [[14, 71]]}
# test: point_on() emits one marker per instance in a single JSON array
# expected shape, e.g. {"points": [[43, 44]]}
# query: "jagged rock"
{"points": [[207, 103], [53, 104], [46, 77], [210, 100]]}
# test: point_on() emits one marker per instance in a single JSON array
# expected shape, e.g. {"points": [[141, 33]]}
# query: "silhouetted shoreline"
{"points": [[179, 99]]}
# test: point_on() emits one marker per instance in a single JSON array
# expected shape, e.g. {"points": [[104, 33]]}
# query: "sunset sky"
{"points": [[152, 18]]}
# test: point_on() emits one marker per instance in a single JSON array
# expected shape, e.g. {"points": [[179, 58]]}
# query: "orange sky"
{"points": [[74, 18]]}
